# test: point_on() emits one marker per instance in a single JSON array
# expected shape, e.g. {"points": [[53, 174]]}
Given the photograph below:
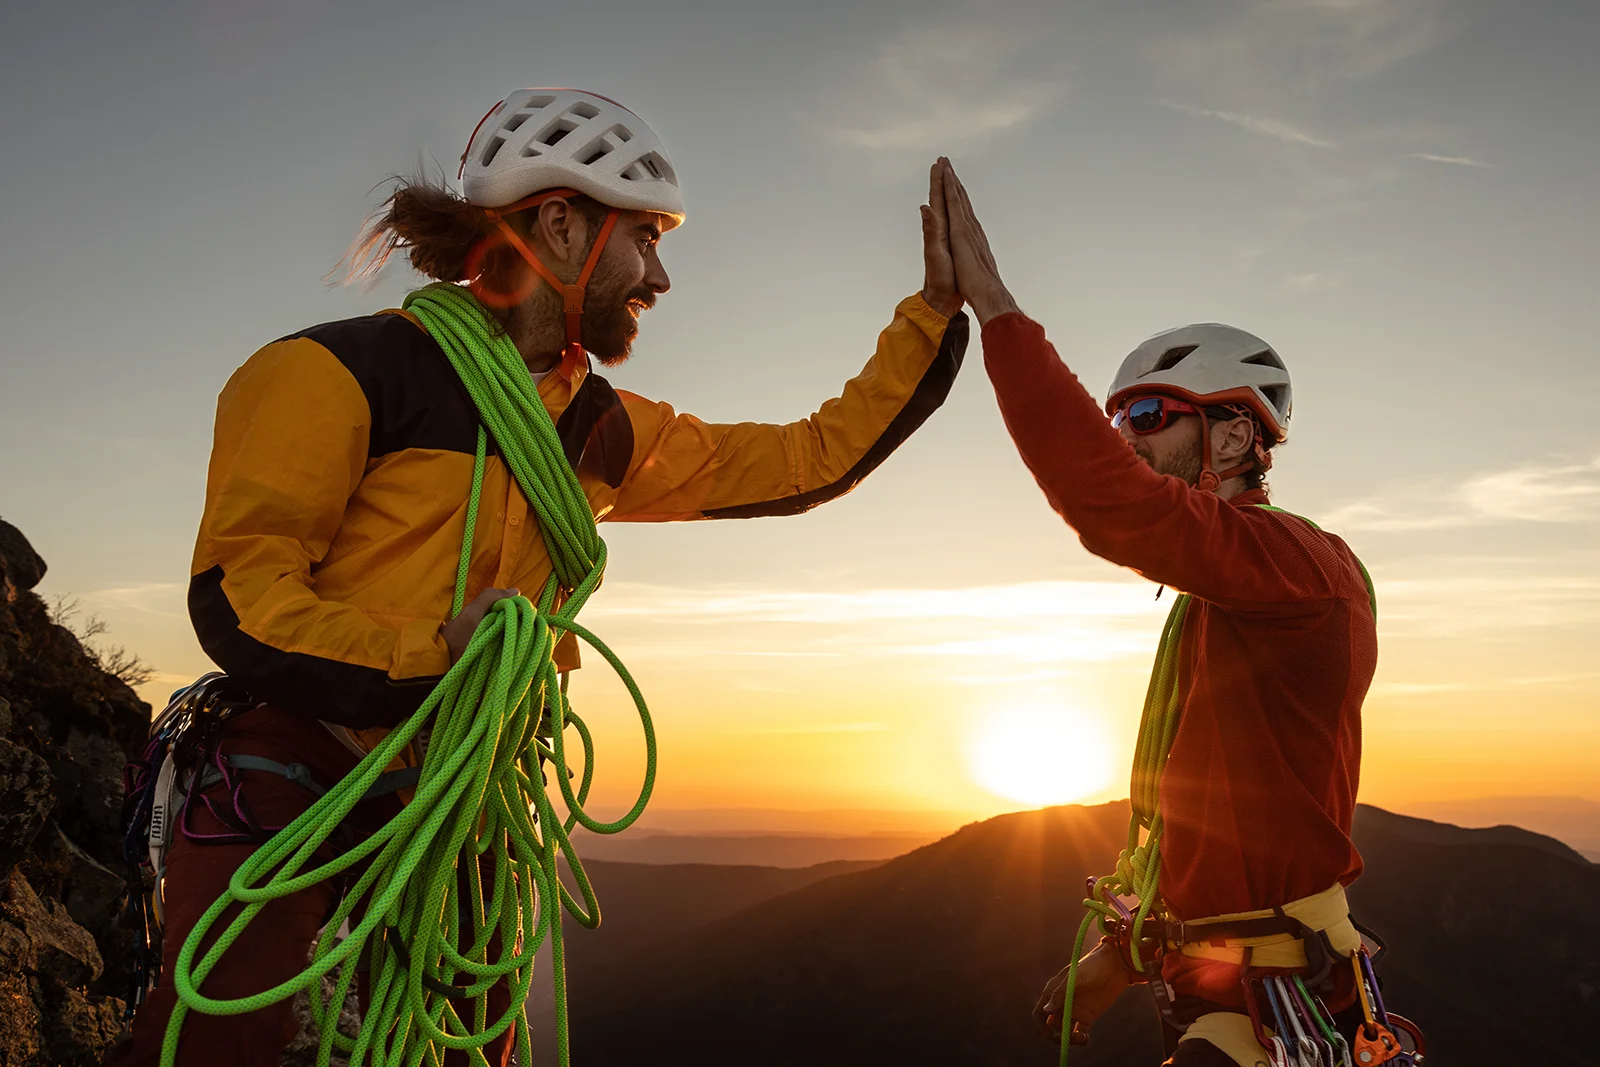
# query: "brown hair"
{"points": [[448, 239]]}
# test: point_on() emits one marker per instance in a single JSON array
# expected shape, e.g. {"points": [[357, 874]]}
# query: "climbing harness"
{"points": [[192, 717], [1301, 1032], [181, 762], [456, 894]]}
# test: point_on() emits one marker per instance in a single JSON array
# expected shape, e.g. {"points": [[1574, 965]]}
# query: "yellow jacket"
{"points": [[337, 495]]}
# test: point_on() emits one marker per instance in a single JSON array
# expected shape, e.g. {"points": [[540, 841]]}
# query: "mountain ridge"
{"points": [[937, 955]]}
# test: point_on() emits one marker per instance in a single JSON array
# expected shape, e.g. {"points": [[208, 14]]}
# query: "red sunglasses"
{"points": [[1148, 414]]}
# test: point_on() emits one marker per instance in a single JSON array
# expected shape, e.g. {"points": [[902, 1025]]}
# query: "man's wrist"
{"points": [[992, 303], [946, 304]]}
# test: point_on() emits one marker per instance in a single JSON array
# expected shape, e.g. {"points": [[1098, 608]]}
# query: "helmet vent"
{"points": [[1276, 394], [583, 110], [491, 150], [649, 167], [555, 131], [1269, 358], [600, 150], [1171, 358]]}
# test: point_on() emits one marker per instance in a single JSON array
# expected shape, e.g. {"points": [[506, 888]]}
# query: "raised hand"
{"points": [[977, 274], [938, 270]]}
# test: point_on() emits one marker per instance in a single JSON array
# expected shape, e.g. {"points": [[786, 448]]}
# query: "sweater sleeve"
{"points": [[1123, 511]]}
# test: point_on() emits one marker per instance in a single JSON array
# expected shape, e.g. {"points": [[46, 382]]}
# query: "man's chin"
{"points": [[617, 354]]}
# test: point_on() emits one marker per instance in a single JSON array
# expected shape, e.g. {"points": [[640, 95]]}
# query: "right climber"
{"points": [[1230, 900]]}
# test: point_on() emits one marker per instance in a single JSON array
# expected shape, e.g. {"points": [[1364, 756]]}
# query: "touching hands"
{"points": [[977, 274], [938, 270]]}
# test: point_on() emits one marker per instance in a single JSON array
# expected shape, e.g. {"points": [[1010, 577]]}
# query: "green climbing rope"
{"points": [[1138, 870], [491, 724]]}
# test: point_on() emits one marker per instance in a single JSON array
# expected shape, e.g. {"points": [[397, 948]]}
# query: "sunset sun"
{"points": [[1040, 754]]}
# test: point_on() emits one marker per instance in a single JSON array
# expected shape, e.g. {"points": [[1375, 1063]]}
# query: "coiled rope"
{"points": [[498, 714]]}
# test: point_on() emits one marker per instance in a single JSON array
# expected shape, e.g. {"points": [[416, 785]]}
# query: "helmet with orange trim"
{"points": [[1210, 364], [537, 144], [539, 139]]}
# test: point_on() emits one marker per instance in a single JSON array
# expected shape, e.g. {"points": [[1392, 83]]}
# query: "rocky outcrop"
{"points": [[66, 730]]}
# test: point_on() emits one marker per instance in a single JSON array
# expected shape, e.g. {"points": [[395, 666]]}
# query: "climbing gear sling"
{"points": [[1143, 934], [481, 790]]}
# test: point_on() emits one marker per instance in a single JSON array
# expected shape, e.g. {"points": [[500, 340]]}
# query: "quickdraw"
{"points": [[1296, 1029], [1302, 1033]]}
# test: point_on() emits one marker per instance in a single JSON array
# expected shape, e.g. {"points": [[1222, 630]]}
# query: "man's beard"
{"points": [[610, 323], [1185, 465]]}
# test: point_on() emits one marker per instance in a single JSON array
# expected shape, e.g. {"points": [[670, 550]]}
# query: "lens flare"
{"points": [[1040, 755]]}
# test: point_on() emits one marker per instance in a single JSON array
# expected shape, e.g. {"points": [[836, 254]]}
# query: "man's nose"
{"points": [[655, 276]]}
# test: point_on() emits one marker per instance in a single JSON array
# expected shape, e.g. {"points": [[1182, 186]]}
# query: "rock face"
{"points": [[66, 729]]}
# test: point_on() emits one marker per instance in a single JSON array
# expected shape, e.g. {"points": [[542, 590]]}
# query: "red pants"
{"points": [[274, 947]]}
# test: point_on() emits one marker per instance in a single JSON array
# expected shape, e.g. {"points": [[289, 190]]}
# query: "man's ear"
{"points": [[1232, 441], [561, 229]]}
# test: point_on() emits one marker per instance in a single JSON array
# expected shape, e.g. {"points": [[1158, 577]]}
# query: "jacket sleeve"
{"points": [[1123, 511], [684, 468], [290, 449]]}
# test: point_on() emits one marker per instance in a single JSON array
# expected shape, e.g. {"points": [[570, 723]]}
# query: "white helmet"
{"points": [[1209, 363], [538, 139]]}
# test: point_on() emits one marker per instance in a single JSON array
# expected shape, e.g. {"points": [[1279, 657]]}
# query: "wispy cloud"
{"points": [[1455, 161], [1022, 600], [150, 598], [823, 728], [1310, 282], [1259, 47], [1554, 492], [971, 632], [940, 87], [1477, 684], [1265, 127], [1484, 597]]}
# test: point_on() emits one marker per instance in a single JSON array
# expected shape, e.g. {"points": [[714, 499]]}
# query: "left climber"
{"points": [[342, 468]]}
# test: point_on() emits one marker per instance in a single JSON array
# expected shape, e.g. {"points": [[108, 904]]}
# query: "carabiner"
{"points": [[1419, 1043]]}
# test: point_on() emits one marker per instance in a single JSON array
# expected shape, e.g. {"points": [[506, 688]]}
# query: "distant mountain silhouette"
{"points": [[1574, 820], [645, 905], [760, 849], [936, 957]]}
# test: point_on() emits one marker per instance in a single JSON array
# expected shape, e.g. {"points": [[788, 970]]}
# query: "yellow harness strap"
{"points": [[1230, 1032], [1327, 911]]}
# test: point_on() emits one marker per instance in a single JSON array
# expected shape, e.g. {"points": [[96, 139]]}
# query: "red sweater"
{"points": [[1276, 657]]}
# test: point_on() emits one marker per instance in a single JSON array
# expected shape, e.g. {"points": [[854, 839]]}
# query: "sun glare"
{"points": [[1040, 755]]}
